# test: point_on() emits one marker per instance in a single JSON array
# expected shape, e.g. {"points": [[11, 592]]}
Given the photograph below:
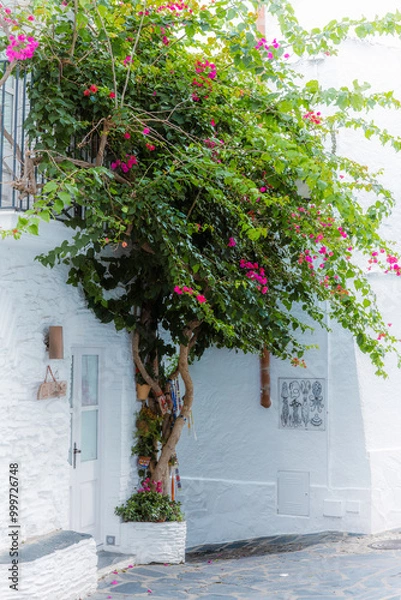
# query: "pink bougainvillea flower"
{"points": [[115, 572], [127, 135], [130, 566], [87, 92], [150, 591], [146, 130], [93, 88], [115, 582], [178, 290], [201, 298], [286, 56], [262, 189], [112, 95], [188, 290], [231, 242], [213, 123], [31, 18], [150, 147]]}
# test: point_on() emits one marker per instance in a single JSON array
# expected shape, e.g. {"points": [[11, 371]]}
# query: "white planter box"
{"points": [[154, 542]]}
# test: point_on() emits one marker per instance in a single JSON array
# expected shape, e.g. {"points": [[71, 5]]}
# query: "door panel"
{"points": [[85, 442]]}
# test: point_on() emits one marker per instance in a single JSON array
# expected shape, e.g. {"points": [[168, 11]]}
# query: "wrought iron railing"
{"points": [[14, 110]]}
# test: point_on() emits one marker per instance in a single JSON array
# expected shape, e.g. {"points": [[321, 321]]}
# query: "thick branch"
{"points": [[8, 71], [141, 367], [103, 143], [13, 144], [81, 163], [183, 366], [75, 31], [132, 54], [110, 49]]}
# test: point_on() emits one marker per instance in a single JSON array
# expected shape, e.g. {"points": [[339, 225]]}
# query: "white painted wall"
{"points": [[66, 574], [230, 472], [377, 61], [230, 478], [36, 434]]}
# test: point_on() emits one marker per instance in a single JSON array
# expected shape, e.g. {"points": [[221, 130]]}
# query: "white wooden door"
{"points": [[85, 443]]}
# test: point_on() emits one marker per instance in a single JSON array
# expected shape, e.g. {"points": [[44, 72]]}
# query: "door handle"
{"points": [[75, 452]]}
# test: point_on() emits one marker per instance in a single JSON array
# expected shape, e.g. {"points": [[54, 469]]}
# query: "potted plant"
{"points": [[142, 388], [153, 527]]}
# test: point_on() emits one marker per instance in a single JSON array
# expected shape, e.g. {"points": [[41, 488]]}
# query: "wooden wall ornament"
{"points": [[56, 349]]}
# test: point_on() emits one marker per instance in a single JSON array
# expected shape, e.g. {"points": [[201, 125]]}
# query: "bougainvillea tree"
{"points": [[175, 139]]}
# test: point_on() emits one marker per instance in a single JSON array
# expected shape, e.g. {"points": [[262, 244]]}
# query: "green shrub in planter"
{"points": [[150, 506]]}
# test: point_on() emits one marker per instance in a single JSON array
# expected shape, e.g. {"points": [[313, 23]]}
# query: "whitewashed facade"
{"points": [[347, 476], [249, 471]]}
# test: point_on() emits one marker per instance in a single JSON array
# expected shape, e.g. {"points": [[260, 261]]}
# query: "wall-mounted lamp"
{"points": [[55, 342]]}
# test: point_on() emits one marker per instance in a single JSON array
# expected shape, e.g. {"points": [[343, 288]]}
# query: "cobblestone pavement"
{"points": [[312, 567]]}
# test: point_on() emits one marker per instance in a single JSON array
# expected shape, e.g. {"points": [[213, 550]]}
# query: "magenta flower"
{"points": [[127, 135], [201, 298], [146, 130], [231, 242], [177, 290], [115, 582], [132, 160]]}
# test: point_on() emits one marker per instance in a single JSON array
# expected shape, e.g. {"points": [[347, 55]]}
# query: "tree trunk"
{"points": [[169, 448], [161, 470]]}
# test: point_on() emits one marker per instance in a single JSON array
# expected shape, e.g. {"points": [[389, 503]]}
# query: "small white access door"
{"points": [[85, 442]]}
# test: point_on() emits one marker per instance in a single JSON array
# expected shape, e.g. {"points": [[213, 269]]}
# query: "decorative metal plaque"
{"points": [[302, 404]]}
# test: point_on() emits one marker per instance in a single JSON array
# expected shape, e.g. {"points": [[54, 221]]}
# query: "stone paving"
{"points": [[312, 567]]}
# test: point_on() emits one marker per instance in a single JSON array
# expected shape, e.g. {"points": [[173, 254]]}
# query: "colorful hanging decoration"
{"points": [[175, 396], [172, 486], [143, 462], [162, 400], [178, 478]]}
